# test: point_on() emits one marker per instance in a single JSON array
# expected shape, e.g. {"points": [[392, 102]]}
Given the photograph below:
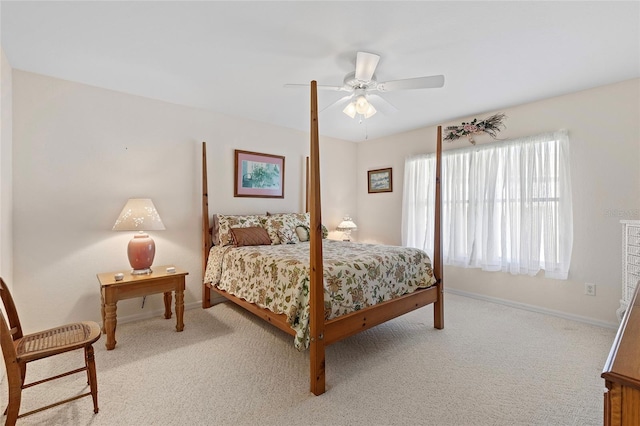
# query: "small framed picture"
{"points": [[380, 180], [258, 175]]}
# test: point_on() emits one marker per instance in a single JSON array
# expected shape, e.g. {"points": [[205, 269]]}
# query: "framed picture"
{"points": [[258, 175], [380, 180]]}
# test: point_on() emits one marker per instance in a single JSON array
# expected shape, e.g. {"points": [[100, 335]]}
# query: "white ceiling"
{"points": [[235, 57]]}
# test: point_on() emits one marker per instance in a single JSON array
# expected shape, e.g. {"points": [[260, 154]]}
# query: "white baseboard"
{"points": [[511, 303], [532, 308]]}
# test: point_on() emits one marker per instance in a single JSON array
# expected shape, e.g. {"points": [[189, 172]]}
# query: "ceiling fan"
{"points": [[363, 87]]}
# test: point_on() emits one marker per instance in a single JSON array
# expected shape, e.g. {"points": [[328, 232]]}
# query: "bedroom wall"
{"points": [[80, 152], [604, 128], [6, 232], [6, 140]]}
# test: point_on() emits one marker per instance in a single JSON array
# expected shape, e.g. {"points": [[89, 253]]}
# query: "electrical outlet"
{"points": [[589, 289]]}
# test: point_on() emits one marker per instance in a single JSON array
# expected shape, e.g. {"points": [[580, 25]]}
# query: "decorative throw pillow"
{"points": [[278, 223], [215, 229], [302, 217], [303, 233], [287, 236], [305, 218], [251, 236], [226, 222]]}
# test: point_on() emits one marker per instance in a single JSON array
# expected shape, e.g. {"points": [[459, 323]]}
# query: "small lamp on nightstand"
{"points": [[139, 214], [346, 226]]}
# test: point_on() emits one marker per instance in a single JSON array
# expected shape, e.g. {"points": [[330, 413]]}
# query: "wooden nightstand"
{"points": [[159, 281]]}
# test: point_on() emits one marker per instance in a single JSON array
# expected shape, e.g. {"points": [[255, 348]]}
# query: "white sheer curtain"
{"points": [[506, 205]]}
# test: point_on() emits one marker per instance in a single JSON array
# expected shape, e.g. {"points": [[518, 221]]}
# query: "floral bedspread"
{"points": [[356, 276]]}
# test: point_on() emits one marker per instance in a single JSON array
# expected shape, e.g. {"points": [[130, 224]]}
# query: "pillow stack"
{"points": [[249, 230]]}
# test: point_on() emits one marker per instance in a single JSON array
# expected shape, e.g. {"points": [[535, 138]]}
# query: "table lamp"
{"points": [[139, 214], [346, 226]]}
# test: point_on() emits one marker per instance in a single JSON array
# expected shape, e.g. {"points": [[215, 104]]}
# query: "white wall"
{"points": [[6, 231], [6, 138], [80, 152], [604, 129]]}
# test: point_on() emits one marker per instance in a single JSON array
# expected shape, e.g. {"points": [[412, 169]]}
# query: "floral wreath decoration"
{"points": [[490, 126]]}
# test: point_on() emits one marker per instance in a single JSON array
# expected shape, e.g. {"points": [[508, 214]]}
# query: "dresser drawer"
{"points": [[633, 230], [633, 241]]}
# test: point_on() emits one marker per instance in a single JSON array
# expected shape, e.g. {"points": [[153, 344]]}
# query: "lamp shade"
{"points": [[139, 214], [346, 226]]}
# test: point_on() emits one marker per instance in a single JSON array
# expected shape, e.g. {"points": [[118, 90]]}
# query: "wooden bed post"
{"points": [[206, 234], [438, 307], [316, 293]]}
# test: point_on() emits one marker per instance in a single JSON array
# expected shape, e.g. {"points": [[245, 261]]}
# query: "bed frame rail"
{"points": [[355, 322], [279, 320]]}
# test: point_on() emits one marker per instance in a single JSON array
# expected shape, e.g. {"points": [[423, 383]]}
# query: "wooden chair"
{"points": [[18, 350]]}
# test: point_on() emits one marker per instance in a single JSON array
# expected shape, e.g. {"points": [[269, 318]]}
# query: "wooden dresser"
{"points": [[630, 262], [622, 370]]}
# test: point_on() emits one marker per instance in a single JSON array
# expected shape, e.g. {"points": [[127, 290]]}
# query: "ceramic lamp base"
{"points": [[141, 251]]}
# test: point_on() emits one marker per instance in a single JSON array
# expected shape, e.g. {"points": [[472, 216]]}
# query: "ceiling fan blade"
{"points": [[366, 64], [339, 101], [321, 87], [383, 105], [430, 82]]}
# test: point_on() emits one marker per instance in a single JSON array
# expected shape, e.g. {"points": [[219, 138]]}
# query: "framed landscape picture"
{"points": [[258, 175], [380, 180]]}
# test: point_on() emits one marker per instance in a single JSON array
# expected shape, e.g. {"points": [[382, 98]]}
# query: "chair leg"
{"points": [[23, 373], [91, 372], [15, 396], [86, 364]]}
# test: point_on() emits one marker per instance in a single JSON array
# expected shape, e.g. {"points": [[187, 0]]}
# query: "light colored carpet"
{"points": [[491, 365]]}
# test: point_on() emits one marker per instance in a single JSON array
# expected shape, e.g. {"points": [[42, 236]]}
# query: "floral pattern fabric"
{"points": [[226, 222], [355, 276], [284, 224]]}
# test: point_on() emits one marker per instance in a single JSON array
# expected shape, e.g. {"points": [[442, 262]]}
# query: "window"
{"points": [[506, 206]]}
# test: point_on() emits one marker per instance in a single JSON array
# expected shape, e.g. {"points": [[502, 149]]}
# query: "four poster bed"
{"points": [[318, 299]]}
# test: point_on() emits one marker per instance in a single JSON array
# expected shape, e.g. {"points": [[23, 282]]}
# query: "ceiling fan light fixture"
{"points": [[359, 106], [362, 105], [350, 109], [370, 111], [362, 85]]}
